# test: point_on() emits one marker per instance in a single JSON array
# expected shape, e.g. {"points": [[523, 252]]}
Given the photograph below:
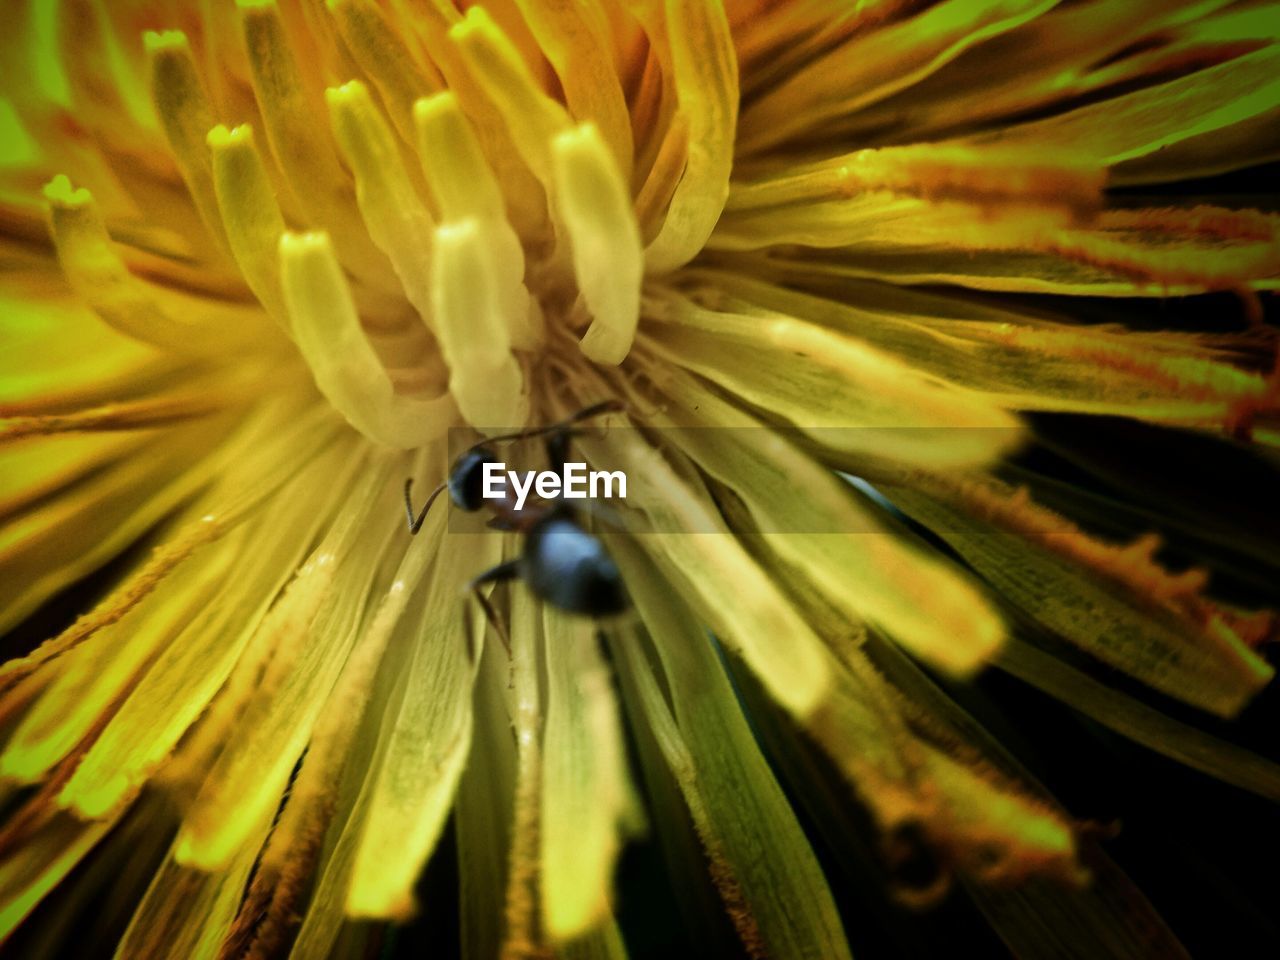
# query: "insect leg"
{"points": [[499, 574]]}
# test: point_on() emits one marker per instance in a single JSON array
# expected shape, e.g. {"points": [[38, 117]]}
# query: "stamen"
{"points": [[532, 117], [98, 275], [186, 116], [250, 215], [524, 195], [302, 147], [474, 332], [459, 177], [395, 216], [401, 78], [592, 200], [576, 39], [465, 187], [347, 371]]}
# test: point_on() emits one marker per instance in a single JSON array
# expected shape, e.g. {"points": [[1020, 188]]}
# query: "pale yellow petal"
{"points": [[413, 784], [587, 801]]}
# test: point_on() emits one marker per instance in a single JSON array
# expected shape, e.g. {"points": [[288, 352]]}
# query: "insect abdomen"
{"points": [[570, 568]]}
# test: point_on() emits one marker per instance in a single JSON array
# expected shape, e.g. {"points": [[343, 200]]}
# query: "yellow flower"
{"points": [[261, 258]]}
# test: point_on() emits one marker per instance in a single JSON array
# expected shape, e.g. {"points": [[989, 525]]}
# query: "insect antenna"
{"points": [[502, 573], [595, 410], [416, 524]]}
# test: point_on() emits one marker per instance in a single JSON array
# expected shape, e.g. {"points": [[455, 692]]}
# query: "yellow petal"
{"points": [[1016, 359], [401, 78], [587, 800], [63, 539], [1137, 125], [312, 630], [761, 862], [482, 812], [703, 68], [761, 625], [428, 738], [253, 469], [186, 912], [862, 568], [91, 681], [30, 872], [838, 390], [1141, 723], [524, 706], [179, 685], [1114, 603], [877, 63]]}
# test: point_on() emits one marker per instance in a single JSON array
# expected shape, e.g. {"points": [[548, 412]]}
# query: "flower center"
{"points": [[487, 225], [481, 200]]}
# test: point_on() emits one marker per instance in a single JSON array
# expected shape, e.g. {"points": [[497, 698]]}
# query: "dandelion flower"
{"points": [[262, 259]]}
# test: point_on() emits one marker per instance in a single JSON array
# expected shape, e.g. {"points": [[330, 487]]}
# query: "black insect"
{"points": [[559, 561]]}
